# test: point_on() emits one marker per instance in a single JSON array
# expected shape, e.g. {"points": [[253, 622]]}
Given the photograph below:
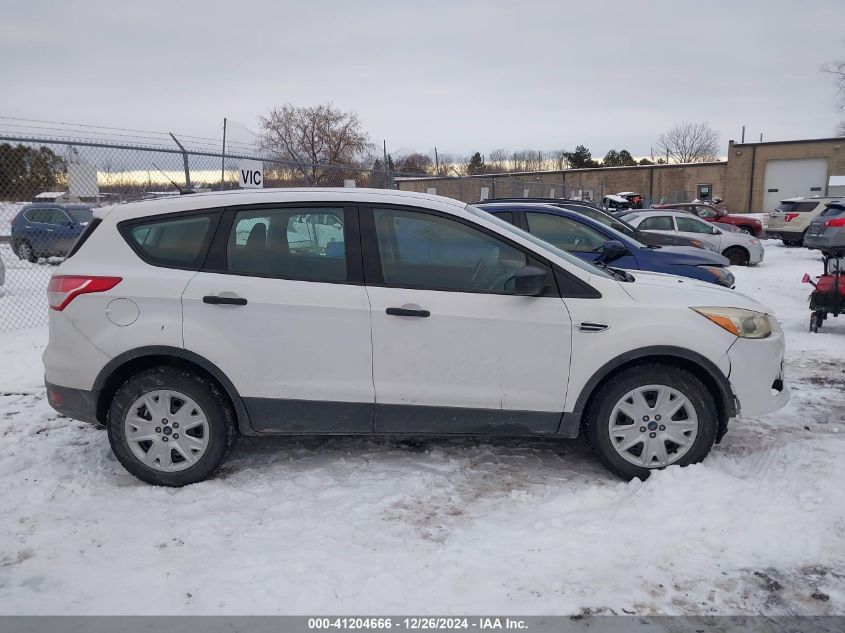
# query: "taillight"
{"points": [[65, 288], [790, 216], [835, 222]]}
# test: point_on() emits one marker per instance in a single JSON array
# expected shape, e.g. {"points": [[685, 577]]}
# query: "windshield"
{"points": [[81, 215], [575, 261]]}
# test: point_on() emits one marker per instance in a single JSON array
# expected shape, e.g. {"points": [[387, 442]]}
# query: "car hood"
{"points": [[662, 289], [690, 256]]}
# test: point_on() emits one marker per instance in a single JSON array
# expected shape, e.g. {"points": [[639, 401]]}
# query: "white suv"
{"points": [[180, 323]]}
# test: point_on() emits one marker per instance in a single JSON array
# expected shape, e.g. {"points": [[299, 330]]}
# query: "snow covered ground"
{"points": [[438, 526]]}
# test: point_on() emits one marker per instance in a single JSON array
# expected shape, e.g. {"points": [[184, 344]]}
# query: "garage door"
{"points": [[791, 178]]}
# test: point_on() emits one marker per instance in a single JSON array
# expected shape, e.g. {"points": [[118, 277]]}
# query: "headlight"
{"points": [[738, 321], [723, 276], [705, 245]]}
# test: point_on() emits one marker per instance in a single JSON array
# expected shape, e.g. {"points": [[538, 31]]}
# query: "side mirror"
{"points": [[715, 231], [611, 250], [530, 281]]}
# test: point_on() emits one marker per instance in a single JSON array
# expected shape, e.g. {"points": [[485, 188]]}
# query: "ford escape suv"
{"points": [[182, 323]]}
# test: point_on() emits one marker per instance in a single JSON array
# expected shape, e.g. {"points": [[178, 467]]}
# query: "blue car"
{"points": [[588, 239], [48, 229]]}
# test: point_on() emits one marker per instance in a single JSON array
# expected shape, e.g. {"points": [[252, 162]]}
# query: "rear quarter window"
{"points": [[172, 242], [791, 206]]}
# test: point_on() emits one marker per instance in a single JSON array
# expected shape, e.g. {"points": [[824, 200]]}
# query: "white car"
{"points": [[180, 323], [740, 248]]}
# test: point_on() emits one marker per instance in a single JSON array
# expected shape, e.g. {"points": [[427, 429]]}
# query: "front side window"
{"points": [[179, 242], [306, 244], [691, 225], [704, 212], [58, 217], [421, 250], [565, 233], [657, 223], [81, 214]]}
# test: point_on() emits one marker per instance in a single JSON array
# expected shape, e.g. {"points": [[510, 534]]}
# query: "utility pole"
{"points": [[223, 158], [743, 134], [436, 162], [761, 137]]}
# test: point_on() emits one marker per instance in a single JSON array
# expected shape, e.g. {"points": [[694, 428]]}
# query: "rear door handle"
{"points": [[229, 301], [408, 312]]}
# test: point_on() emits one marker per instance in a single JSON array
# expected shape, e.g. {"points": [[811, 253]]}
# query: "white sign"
{"points": [[431, 190], [82, 181], [485, 193], [250, 174], [349, 184]]}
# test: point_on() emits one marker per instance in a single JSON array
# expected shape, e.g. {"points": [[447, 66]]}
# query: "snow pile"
{"points": [[438, 526]]}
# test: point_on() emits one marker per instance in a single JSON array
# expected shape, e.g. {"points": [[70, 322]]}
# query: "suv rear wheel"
{"points": [[649, 417], [170, 426]]}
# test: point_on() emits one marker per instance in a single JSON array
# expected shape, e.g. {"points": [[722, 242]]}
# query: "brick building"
{"points": [[754, 177]]}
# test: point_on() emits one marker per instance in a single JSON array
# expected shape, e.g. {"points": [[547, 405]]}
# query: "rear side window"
{"points": [[507, 216], [174, 242], [833, 211], [565, 233], [38, 215], [791, 206], [305, 244], [657, 223]]}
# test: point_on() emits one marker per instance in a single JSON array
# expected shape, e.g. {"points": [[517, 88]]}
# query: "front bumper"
{"points": [[756, 376], [78, 404]]}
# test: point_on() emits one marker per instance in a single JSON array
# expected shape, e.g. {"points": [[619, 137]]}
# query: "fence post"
{"points": [[185, 159]]}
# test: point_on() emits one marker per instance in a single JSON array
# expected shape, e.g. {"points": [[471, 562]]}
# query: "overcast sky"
{"points": [[463, 76]]}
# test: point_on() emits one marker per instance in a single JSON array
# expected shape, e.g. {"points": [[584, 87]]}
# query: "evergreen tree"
{"points": [[476, 165]]}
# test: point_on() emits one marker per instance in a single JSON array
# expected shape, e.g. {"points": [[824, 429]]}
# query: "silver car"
{"points": [[740, 248], [827, 230]]}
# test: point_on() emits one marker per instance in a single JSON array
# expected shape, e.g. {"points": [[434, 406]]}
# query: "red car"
{"points": [[745, 223]]}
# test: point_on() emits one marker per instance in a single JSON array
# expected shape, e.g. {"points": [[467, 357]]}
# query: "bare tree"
{"points": [[317, 136], [497, 161], [690, 143], [414, 164], [837, 69]]}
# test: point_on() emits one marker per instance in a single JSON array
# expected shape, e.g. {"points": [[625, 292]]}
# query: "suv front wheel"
{"points": [[651, 416], [170, 426]]}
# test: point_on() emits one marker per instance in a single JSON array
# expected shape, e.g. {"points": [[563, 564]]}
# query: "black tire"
{"points": [[746, 229], [205, 392], [794, 242], [737, 256], [614, 388], [816, 319], [25, 251]]}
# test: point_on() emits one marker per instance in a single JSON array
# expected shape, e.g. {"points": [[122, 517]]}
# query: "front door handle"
{"points": [[408, 312], [229, 301]]}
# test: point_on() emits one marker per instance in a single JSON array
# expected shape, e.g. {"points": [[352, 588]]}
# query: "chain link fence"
{"points": [[49, 188]]}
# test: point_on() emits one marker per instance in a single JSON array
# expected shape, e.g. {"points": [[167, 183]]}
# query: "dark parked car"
{"points": [[744, 223], [587, 239], [598, 214], [48, 229], [827, 230]]}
